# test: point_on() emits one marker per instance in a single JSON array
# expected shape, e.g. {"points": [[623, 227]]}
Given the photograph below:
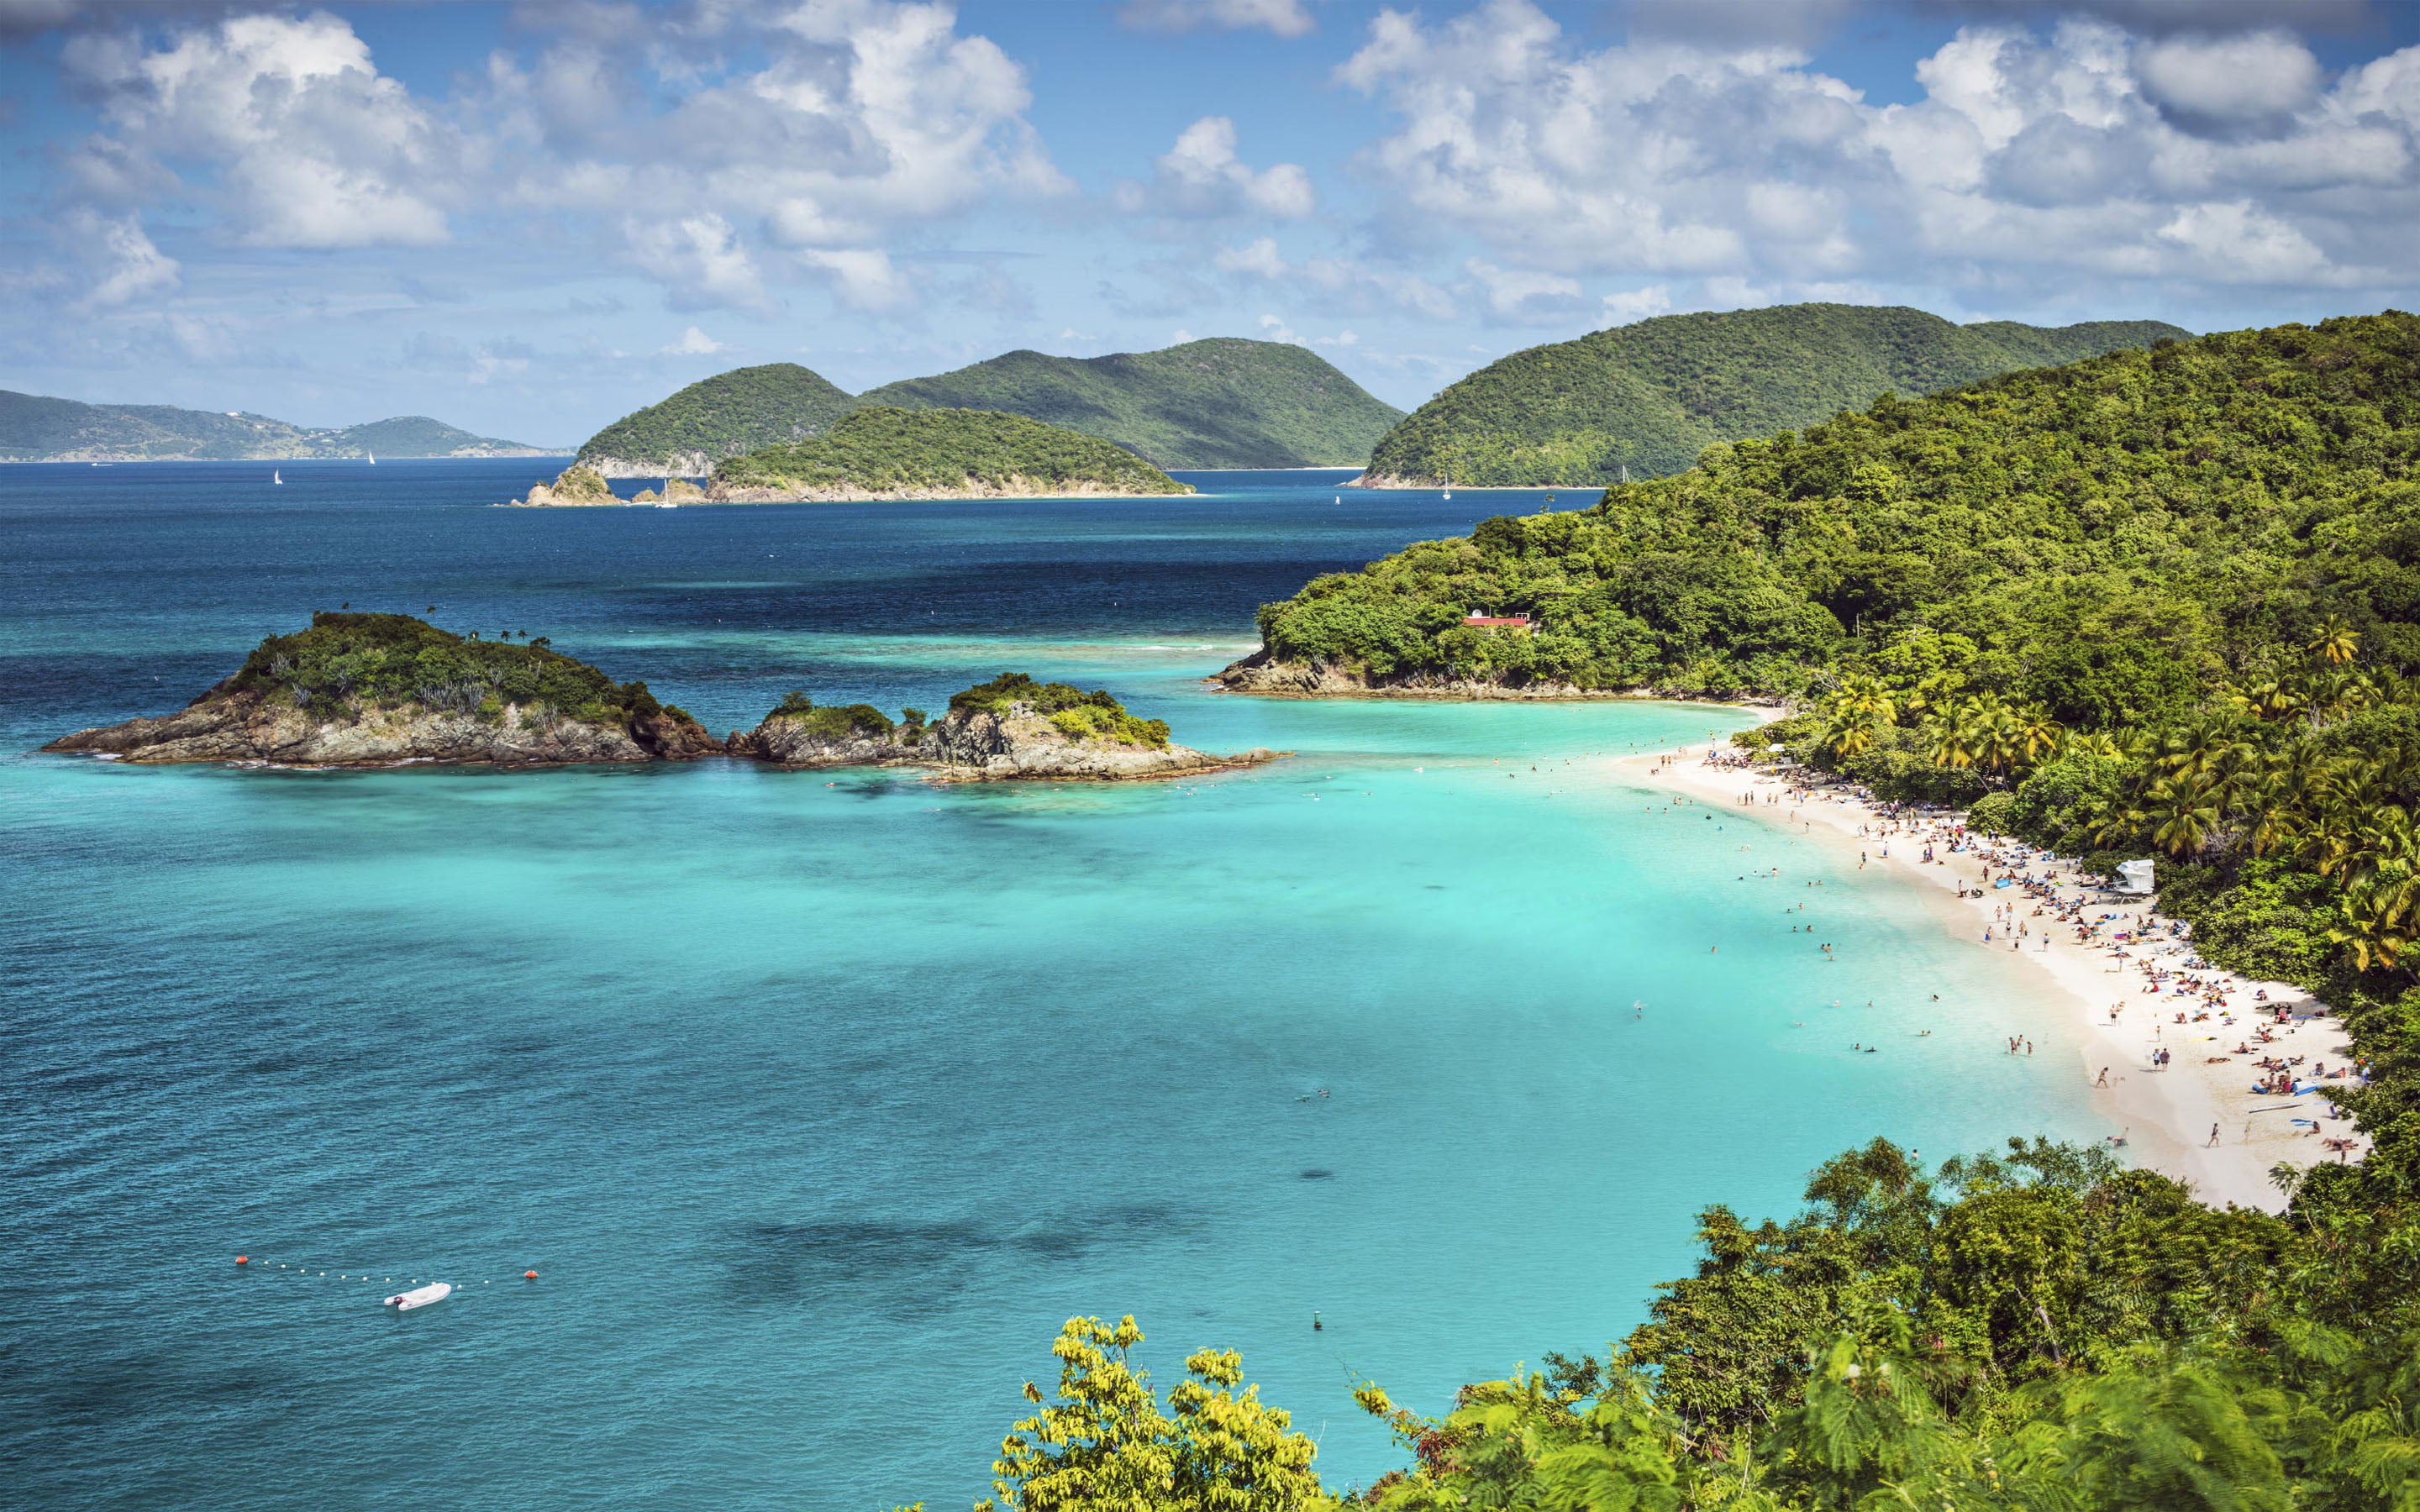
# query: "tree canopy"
{"points": [[1651, 397]]}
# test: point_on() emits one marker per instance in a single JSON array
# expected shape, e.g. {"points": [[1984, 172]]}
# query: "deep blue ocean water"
{"points": [[818, 1102]]}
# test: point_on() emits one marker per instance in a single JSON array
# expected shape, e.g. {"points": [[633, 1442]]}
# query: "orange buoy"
{"points": [[244, 1260], [529, 1275]]}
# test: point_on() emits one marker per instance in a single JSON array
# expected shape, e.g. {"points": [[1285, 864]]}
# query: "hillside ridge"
{"points": [[1649, 397], [39, 428], [1221, 402]]}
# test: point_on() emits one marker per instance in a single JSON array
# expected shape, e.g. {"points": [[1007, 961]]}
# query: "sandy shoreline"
{"points": [[2166, 1112]]}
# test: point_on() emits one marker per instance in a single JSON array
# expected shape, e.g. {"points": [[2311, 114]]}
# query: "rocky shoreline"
{"points": [[248, 727], [327, 698], [981, 746], [1260, 676], [586, 487]]}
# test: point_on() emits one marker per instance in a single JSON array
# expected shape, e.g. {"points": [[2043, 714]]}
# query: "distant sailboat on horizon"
{"points": [[276, 477], [1449, 487], [372, 456]]}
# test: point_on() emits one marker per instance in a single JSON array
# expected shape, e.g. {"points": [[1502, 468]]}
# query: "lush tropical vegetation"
{"points": [[725, 415], [940, 452], [1078, 714], [1221, 403], [2040, 1330], [1651, 397], [347, 659], [2158, 603]]}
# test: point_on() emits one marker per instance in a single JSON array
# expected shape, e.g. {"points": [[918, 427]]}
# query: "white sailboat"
{"points": [[1449, 487], [276, 477], [372, 456]]}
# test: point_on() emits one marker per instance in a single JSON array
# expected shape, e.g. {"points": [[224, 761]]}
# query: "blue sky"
{"points": [[528, 218]]}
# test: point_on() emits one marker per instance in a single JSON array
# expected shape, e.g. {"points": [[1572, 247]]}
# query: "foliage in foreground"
{"points": [[943, 450], [2038, 1330], [390, 660]]}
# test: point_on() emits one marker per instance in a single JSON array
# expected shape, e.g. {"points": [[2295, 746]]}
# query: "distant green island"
{"points": [[1221, 403], [37, 429], [884, 454], [1649, 397]]}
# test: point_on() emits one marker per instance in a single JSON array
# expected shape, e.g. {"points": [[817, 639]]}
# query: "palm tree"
{"points": [[2039, 735], [2337, 644], [2183, 813]]}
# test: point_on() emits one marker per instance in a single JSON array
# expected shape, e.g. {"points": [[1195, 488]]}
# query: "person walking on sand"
{"points": [[2213, 1138], [2103, 1081]]}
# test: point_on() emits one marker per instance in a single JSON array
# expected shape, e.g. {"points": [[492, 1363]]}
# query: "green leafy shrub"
{"points": [[2061, 803], [1992, 813], [1074, 713], [347, 659]]}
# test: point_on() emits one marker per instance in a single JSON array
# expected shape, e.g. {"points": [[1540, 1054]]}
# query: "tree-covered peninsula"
{"points": [[939, 454], [725, 415], [1218, 403], [1651, 397], [896, 453], [374, 689]]}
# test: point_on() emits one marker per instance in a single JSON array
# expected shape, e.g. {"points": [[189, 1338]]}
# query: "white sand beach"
{"points": [[2166, 1112]]}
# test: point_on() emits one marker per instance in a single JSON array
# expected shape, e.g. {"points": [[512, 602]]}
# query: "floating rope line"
{"points": [[303, 1271]]}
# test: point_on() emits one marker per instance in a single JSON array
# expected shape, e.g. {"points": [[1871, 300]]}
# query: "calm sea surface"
{"points": [[818, 1102]]}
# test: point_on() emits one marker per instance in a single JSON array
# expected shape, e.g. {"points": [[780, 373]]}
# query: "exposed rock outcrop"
{"points": [[248, 726], [677, 491], [975, 745], [679, 465], [1258, 674], [574, 485]]}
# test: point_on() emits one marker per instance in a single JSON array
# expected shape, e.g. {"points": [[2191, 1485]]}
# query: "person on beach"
{"points": [[2214, 1138], [2104, 1080]]}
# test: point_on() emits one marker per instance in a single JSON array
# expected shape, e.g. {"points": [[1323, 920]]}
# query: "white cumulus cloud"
{"points": [[1286, 18], [122, 264], [716, 144], [692, 342], [1202, 176], [284, 125], [2030, 162]]}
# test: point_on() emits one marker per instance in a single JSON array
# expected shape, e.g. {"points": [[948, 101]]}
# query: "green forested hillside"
{"points": [[722, 416], [2159, 601], [1224, 403], [1652, 396], [942, 452], [2162, 601], [34, 428]]}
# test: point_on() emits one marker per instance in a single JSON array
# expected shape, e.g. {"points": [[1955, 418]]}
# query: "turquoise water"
{"points": [[820, 1100]]}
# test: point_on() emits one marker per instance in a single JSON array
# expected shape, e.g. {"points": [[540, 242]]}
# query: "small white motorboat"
{"points": [[404, 1302]]}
